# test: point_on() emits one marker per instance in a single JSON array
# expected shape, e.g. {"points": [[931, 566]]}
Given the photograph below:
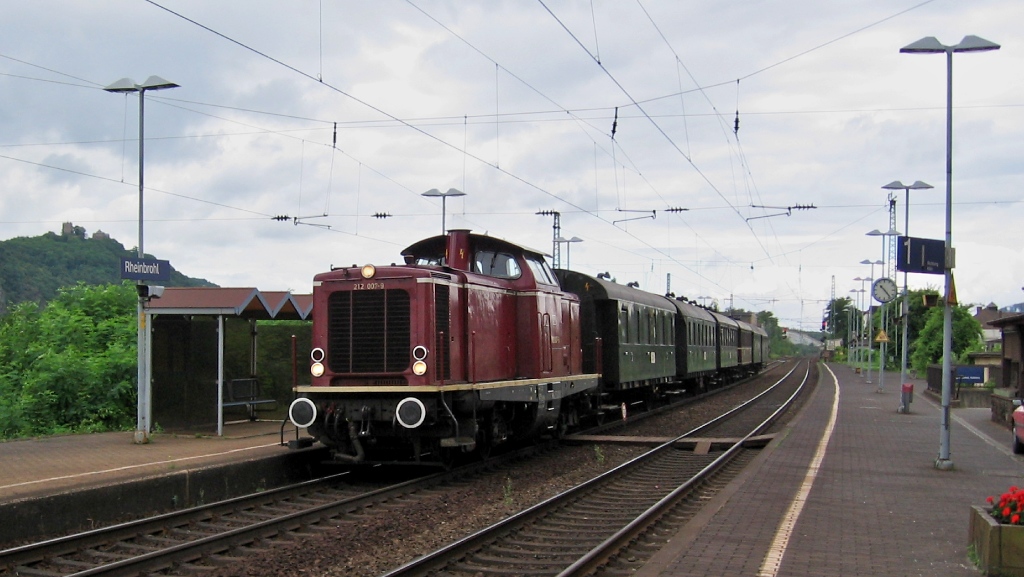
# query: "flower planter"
{"points": [[999, 548]]}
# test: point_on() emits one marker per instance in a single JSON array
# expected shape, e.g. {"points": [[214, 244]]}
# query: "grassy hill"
{"points": [[33, 268]]}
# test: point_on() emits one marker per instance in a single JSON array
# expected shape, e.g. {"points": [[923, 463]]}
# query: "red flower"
{"points": [[1010, 507]]}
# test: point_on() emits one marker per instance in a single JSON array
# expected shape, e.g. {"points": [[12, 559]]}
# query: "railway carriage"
{"points": [[760, 350], [745, 344], [697, 356], [629, 332], [726, 346], [752, 340]]}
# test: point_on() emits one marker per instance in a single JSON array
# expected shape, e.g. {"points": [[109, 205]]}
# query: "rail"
{"points": [[629, 485]]}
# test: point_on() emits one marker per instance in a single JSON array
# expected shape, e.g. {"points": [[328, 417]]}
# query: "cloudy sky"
{"points": [[609, 112]]}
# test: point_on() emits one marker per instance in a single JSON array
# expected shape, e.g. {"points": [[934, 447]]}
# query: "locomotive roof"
{"points": [[573, 281], [437, 245]]}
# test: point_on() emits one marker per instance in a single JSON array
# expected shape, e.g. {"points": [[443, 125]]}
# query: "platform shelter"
{"points": [[1012, 329], [204, 347]]}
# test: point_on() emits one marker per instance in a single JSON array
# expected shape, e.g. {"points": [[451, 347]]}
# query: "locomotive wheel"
{"points": [[448, 456], [484, 441], [562, 427], [566, 416]]}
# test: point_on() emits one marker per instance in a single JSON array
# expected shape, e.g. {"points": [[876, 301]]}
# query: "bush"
{"points": [[70, 367]]}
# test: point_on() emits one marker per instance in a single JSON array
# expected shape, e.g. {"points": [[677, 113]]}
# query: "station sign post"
{"points": [[141, 270]]}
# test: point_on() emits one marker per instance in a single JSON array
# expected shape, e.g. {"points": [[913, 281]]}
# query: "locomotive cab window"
{"points": [[428, 261], [542, 273], [496, 264]]}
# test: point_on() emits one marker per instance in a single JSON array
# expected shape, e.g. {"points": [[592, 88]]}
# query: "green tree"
{"points": [[926, 349], [71, 366], [839, 318], [780, 346]]}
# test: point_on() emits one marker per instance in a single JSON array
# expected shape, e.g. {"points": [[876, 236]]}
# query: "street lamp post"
{"points": [[884, 322], [433, 192], [145, 406], [860, 320], [568, 244], [896, 185], [849, 329], [930, 45], [871, 323]]}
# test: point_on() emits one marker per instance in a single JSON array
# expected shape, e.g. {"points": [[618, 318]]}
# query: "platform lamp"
{"points": [[884, 322], [930, 45], [145, 405], [871, 323], [433, 192], [860, 321], [852, 332], [897, 185], [568, 243]]}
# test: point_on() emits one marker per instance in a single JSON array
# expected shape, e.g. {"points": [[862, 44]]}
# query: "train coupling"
{"points": [[365, 418]]}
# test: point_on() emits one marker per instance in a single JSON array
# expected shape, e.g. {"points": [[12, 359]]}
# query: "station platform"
{"points": [[100, 475], [851, 488]]}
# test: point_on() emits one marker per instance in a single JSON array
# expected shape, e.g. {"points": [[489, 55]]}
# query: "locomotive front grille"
{"points": [[368, 331]]}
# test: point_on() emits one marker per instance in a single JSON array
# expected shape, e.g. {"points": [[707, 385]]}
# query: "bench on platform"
{"points": [[245, 393]]}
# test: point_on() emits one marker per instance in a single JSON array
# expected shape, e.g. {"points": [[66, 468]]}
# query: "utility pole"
{"points": [[556, 258]]}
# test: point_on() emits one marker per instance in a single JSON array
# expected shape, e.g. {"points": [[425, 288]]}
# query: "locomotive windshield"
{"points": [[496, 264], [541, 271]]}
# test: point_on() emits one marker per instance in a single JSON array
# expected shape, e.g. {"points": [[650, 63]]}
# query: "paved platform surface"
{"points": [[872, 504], [45, 466]]}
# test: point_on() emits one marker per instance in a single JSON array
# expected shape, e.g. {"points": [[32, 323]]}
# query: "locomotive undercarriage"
{"points": [[435, 428]]}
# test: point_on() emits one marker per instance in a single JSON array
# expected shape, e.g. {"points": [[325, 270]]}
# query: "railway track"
{"points": [[586, 529], [199, 539], [176, 540]]}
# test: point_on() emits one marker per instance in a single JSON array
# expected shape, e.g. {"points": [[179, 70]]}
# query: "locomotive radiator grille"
{"points": [[368, 331]]}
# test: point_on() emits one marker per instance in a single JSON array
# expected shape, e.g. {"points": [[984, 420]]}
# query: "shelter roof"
{"points": [[1017, 319], [245, 302]]}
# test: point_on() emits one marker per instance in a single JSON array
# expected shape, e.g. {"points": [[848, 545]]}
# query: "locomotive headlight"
{"points": [[316, 369], [302, 412], [410, 412], [317, 355], [419, 353], [368, 271], [419, 368]]}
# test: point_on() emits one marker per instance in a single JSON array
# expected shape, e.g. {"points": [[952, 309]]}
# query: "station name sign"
{"points": [[145, 269]]}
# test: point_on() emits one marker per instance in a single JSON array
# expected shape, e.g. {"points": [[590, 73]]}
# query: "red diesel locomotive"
{"points": [[468, 344]]}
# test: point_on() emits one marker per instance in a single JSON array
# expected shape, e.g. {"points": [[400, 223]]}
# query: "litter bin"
{"points": [[906, 397]]}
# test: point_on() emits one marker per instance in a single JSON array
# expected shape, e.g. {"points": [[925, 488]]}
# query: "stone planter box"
{"points": [[999, 548]]}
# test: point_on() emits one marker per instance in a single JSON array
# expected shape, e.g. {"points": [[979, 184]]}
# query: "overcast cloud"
{"points": [[513, 103]]}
